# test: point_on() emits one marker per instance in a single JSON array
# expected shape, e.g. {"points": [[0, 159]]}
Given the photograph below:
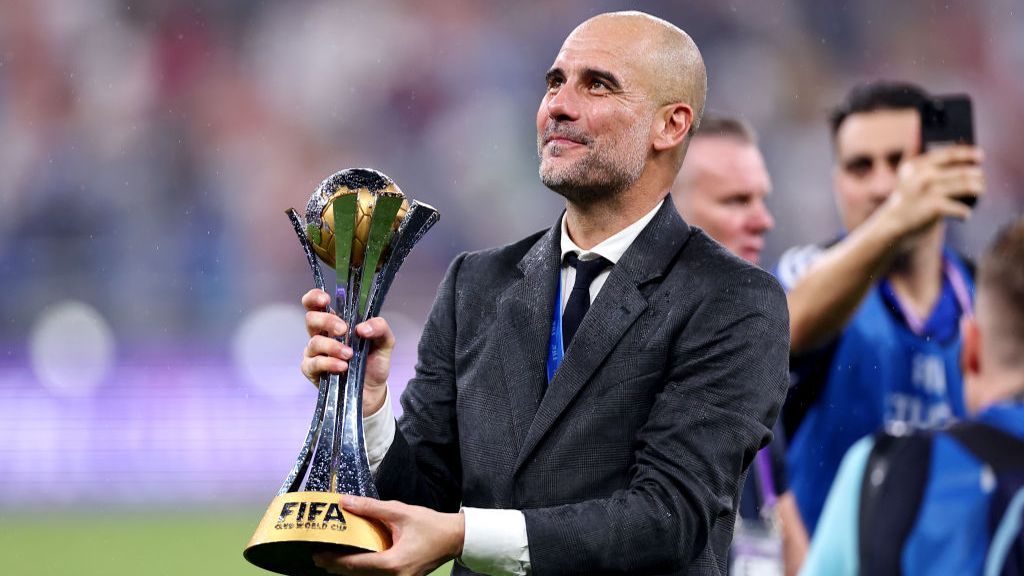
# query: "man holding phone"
{"points": [[874, 315]]}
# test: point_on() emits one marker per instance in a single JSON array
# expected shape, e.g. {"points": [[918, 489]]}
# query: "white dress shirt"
{"points": [[496, 542]]}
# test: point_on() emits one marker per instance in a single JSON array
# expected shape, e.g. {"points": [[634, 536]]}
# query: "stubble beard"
{"points": [[602, 174]]}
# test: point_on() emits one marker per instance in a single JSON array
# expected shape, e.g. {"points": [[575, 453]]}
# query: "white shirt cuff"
{"points": [[496, 542], [379, 433]]}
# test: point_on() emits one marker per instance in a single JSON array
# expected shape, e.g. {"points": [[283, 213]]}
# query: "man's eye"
{"points": [[737, 200], [598, 85], [554, 83], [859, 166]]}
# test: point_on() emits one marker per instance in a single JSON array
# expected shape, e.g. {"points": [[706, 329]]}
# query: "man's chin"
{"points": [[752, 255], [568, 189], [560, 179], [581, 182], [582, 194]]}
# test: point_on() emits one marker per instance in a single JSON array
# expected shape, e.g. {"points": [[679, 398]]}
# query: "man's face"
{"points": [[594, 123], [722, 189], [869, 149]]}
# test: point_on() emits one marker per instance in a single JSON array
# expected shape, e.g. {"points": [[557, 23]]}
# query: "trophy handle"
{"points": [[307, 248], [420, 218], [294, 479]]}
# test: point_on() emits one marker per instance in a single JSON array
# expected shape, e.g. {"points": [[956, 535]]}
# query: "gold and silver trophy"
{"points": [[359, 223]]}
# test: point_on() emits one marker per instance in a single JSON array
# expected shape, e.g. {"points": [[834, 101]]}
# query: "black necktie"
{"points": [[579, 297]]}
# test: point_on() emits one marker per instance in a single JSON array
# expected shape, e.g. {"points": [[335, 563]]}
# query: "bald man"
{"points": [[588, 399], [723, 185]]}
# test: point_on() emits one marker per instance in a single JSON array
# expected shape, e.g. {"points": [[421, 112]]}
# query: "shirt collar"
{"points": [[613, 247]]}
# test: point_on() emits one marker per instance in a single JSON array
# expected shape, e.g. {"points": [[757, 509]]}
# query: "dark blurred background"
{"points": [[150, 330]]}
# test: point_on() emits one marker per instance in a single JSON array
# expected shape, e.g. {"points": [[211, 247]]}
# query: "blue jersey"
{"points": [[880, 371]]}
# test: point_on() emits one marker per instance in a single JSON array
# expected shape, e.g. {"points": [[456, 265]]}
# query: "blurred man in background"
{"points": [[722, 188], [874, 315], [944, 503], [723, 185]]}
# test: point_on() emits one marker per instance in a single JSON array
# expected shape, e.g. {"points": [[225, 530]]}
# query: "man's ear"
{"points": [[970, 351], [671, 125]]}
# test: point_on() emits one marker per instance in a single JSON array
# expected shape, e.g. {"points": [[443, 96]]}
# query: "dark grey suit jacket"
{"points": [[630, 461]]}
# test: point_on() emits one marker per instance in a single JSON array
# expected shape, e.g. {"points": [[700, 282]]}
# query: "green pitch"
{"points": [[135, 543]]}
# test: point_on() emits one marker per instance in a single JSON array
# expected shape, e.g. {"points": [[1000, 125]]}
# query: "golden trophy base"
{"points": [[300, 524]]}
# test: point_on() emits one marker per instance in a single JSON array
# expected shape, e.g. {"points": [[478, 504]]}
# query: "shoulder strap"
{"points": [[1000, 450], [1004, 453], [1006, 550], [891, 493]]}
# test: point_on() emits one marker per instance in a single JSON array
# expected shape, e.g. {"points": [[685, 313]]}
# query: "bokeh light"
{"points": [[71, 349], [267, 349]]}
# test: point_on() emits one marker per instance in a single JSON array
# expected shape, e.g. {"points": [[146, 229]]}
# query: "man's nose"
{"points": [[563, 104], [761, 219], [882, 181]]}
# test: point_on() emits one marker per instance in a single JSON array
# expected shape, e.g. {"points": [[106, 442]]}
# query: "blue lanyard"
{"points": [[555, 351]]}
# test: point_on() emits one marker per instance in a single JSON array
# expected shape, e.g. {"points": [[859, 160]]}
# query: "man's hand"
{"points": [[324, 353], [929, 186], [422, 540]]}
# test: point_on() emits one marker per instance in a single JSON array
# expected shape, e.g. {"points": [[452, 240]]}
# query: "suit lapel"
{"points": [[524, 324], [613, 312]]}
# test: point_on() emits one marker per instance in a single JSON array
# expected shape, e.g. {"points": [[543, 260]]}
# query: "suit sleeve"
{"points": [[726, 381], [430, 475]]}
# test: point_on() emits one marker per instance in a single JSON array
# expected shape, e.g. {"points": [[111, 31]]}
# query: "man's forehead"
{"points": [[727, 159], [593, 49], [878, 131], [722, 150]]}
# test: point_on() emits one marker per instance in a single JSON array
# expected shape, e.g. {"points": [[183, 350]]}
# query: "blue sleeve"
{"points": [[834, 549]]}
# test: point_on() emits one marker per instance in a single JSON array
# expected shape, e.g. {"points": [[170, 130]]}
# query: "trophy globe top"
{"points": [[367, 184]]}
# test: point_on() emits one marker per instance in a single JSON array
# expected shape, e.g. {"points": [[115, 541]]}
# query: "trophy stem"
{"points": [[354, 475], [321, 471]]}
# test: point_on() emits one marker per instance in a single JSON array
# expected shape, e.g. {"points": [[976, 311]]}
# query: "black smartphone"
{"points": [[948, 120]]}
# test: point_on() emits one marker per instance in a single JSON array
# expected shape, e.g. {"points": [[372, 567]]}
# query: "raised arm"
{"points": [[823, 298]]}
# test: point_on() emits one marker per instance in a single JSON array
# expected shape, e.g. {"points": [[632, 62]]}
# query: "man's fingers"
{"points": [[387, 512], [316, 300], [322, 355], [314, 368], [324, 323], [363, 563], [378, 330], [948, 155], [324, 346], [954, 182]]}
